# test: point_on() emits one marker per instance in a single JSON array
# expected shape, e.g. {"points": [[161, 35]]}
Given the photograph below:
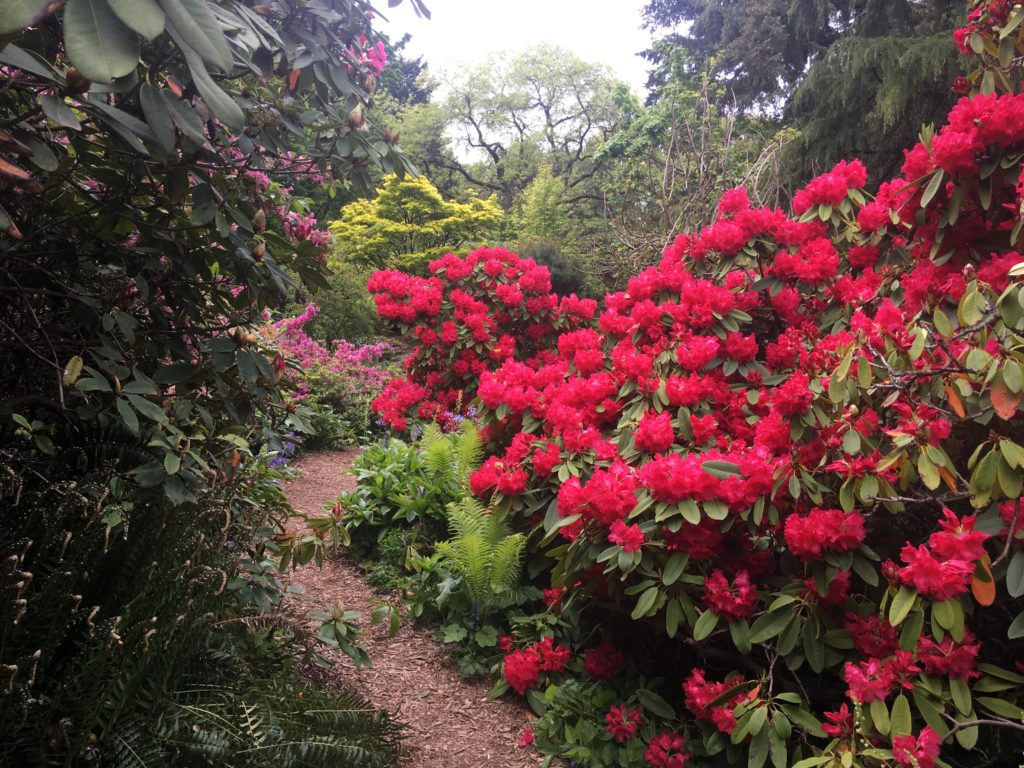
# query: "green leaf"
{"points": [[487, 637], [901, 605], [453, 633], [758, 753], [653, 703], [933, 187], [30, 62], [143, 16], [185, 117], [880, 716], [1016, 629], [942, 323], [1015, 574], [157, 116], [705, 625], [674, 568], [961, 695], [723, 470], [943, 614], [172, 463], [1012, 376], [221, 105], [902, 722], [199, 29], [805, 719], [127, 415], [15, 15], [740, 633], [98, 42], [176, 373], [673, 615], [645, 605], [770, 624], [1001, 707], [149, 410], [56, 110]]}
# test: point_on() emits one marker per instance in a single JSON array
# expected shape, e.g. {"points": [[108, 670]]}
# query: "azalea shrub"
{"points": [[792, 450], [332, 385]]}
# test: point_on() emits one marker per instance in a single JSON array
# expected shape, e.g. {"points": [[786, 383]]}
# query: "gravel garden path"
{"points": [[451, 722]]}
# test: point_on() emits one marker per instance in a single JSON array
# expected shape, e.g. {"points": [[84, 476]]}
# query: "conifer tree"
{"points": [[856, 77]]}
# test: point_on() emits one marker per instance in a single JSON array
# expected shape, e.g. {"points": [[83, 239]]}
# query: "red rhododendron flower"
{"points": [[917, 753], [872, 636], [629, 537], [602, 662], [933, 577], [654, 433], [949, 658], [957, 539], [553, 658], [730, 601], [699, 693], [873, 679], [822, 529], [623, 723], [666, 750], [522, 669], [526, 739], [840, 723]]}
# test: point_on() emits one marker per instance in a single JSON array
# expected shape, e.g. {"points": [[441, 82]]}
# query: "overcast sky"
{"points": [[468, 31]]}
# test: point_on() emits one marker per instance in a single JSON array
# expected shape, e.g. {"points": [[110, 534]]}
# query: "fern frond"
{"points": [[506, 563]]}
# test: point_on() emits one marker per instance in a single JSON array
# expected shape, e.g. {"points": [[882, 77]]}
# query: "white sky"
{"points": [[468, 31]]}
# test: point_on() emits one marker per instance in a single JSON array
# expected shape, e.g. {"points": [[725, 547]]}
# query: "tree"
{"points": [[543, 213], [854, 76], [408, 224], [148, 154], [670, 160], [544, 105]]}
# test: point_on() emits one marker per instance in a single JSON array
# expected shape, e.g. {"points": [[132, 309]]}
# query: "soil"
{"points": [[451, 722]]}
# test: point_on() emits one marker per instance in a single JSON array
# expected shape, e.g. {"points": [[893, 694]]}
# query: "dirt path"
{"points": [[452, 722]]}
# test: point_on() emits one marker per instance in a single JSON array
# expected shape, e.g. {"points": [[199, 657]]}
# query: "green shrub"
{"points": [[346, 309]]}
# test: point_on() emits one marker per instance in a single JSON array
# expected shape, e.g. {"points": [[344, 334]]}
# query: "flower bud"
{"points": [[355, 118]]}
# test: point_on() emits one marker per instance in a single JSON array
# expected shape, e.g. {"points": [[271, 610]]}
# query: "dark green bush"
{"points": [[346, 309]]}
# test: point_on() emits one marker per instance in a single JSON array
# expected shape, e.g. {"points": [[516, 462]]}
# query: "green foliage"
{"points": [[402, 486], [855, 77], [483, 552], [140, 242], [346, 309], [244, 707], [543, 213], [112, 597], [409, 224]]}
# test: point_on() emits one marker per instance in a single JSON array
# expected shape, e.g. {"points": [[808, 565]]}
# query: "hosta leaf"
{"points": [[98, 42]]}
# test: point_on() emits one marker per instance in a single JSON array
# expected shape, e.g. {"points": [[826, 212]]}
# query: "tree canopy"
{"points": [[408, 223], [854, 76]]}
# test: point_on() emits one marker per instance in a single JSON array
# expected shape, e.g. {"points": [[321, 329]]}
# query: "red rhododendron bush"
{"points": [[795, 446]]}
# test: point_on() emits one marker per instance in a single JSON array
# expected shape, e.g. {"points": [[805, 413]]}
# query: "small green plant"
{"points": [[485, 555], [339, 629]]}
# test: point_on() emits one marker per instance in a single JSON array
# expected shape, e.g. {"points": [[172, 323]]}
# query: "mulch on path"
{"points": [[452, 723]]}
